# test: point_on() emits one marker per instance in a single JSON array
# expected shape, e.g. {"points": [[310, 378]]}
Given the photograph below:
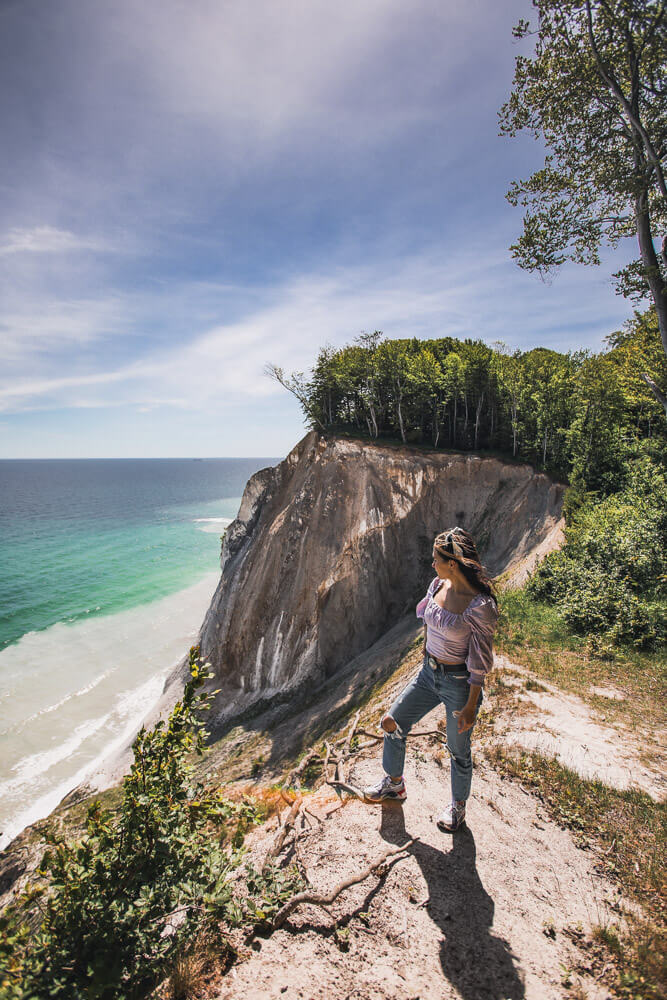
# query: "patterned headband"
{"points": [[452, 544]]}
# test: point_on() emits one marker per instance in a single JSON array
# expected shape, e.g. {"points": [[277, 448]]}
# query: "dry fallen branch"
{"points": [[297, 772], [341, 774], [344, 786], [350, 735], [373, 736], [409, 736], [325, 899], [325, 767], [277, 847]]}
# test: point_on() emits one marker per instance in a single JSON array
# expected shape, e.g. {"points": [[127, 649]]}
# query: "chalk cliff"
{"points": [[333, 545]]}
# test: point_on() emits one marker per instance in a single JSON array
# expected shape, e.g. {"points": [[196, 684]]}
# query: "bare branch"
{"points": [[297, 772], [344, 786], [409, 736], [277, 846], [326, 899], [292, 384]]}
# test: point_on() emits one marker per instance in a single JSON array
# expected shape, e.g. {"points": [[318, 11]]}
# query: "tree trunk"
{"points": [[374, 431], [400, 419], [655, 281], [478, 413]]}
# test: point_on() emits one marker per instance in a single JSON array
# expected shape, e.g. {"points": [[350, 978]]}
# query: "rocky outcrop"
{"points": [[333, 545]]}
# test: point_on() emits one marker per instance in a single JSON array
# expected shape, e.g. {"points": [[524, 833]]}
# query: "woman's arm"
{"points": [[466, 716], [482, 618]]}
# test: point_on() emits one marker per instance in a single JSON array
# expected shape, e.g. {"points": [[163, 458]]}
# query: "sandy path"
{"points": [[495, 888], [560, 725]]}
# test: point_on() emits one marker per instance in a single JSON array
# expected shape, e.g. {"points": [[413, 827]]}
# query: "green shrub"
{"points": [[120, 904], [610, 577]]}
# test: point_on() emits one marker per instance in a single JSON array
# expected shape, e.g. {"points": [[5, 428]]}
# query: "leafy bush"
{"points": [[610, 577], [121, 904]]}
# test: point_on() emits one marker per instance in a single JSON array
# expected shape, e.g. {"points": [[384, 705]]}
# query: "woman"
{"points": [[460, 614]]}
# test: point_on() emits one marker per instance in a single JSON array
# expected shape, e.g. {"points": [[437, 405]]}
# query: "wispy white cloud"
{"points": [[222, 365], [48, 239], [46, 326]]}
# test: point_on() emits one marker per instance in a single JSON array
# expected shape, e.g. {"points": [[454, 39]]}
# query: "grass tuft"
{"points": [[532, 634]]}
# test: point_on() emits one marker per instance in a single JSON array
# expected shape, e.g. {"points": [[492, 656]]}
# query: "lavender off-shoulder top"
{"points": [[468, 636]]}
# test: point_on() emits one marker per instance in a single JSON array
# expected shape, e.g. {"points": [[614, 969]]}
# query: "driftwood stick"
{"points": [[340, 771], [344, 786], [342, 767], [285, 797], [307, 814], [409, 736], [325, 769], [325, 899], [277, 846], [372, 736], [348, 738], [297, 771]]}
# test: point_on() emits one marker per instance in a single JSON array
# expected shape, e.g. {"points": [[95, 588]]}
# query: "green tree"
{"points": [[635, 350], [394, 366], [454, 375], [427, 388], [549, 385], [477, 382], [595, 91], [610, 579], [369, 379], [508, 372], [596, 436]]}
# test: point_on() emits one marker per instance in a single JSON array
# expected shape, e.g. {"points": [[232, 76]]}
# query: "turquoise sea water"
{"points": [[106, 570]]}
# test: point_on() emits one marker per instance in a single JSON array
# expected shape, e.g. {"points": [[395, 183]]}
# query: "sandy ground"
{"points": [[480, 915], [561, 725]]}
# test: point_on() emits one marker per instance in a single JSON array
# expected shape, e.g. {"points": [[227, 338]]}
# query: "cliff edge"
{"points": [[333, 545]]}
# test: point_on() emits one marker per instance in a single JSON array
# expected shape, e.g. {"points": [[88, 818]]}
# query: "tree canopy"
{"points": [[595, 91], [575, 414]]}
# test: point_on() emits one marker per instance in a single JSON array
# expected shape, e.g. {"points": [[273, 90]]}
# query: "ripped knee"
{"points": [[389, 725]]}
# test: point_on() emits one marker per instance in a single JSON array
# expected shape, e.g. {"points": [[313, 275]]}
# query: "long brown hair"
{"points": [[457, 544]]}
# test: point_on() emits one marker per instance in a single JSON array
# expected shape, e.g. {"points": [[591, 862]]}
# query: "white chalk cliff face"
{"points": [[333, 545]]}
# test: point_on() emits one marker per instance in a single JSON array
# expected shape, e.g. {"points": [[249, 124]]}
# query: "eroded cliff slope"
{"points": [[333, 545]]}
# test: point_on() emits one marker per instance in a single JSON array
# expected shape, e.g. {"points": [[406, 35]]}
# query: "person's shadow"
{"points": [[480, 965]]}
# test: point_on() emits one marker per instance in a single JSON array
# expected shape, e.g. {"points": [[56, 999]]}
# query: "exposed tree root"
{"points": [[278, 843], [324, 900], [344, 786], [294, 776]]}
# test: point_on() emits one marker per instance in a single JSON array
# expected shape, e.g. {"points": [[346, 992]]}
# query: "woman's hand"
{"points": [[466, 717]]}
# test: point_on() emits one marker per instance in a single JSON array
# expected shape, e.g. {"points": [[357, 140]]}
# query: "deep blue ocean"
{"points": [[106, 570]]}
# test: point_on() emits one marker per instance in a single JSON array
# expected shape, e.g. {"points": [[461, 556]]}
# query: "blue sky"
{"points": [[194, 188]]}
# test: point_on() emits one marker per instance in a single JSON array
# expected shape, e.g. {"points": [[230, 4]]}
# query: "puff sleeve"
{"points": [[482, 617], [432, 587]]}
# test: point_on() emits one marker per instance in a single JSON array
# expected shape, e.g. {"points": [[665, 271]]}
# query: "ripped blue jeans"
{"points": [[429, 689]]}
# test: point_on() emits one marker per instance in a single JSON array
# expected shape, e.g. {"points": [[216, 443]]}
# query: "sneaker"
{"points": [[386, 789], [453, 817]]}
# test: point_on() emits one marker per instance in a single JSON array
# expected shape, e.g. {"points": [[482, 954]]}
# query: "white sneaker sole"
{"points": [[386, 798], [450, 829]]}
